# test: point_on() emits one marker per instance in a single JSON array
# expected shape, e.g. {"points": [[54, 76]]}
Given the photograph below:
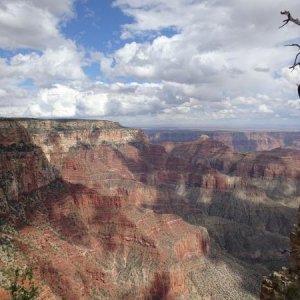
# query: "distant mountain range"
{"points": [[237, 140]]}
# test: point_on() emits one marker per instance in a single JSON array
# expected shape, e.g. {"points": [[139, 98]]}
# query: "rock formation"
{"points": [[98, 212], [239, 141], [285, 284]]}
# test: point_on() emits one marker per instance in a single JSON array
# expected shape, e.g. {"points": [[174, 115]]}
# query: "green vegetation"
{"points": [[293, 291], [21, 286], [7, 251], [17, 281], [21, 147]]}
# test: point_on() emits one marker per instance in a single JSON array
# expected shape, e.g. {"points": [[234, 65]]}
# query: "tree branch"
{"points": [[289, 18], [295, 61]]}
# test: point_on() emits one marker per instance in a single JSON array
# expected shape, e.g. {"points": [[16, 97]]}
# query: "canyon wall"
{"points": [[98, 212], [240, 141]]}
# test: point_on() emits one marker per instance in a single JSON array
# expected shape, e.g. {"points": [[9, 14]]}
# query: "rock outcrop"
{"points": [[285, 284]]}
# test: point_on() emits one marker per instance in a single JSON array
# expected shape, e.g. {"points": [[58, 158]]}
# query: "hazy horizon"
{"points": [[171, 126]]}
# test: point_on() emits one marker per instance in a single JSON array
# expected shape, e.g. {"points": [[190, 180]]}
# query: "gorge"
{"points": [[99, 212]]}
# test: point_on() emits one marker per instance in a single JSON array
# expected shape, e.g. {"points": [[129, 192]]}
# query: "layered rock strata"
{"points": [[239, 141], [82, 229], [103, 214]]}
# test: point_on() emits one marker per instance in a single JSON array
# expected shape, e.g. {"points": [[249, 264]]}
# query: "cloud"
{"points": [[215, 43], [264, 108], [62, 63], [32, 24], [59, 101], [98, 100], [170, 59], [38, 56], [241, 19], [228, 58], [154, 101], [62, 8], [180, 61]]}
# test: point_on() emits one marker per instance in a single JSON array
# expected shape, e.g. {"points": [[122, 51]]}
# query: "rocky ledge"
{"points": [[285, 284]]}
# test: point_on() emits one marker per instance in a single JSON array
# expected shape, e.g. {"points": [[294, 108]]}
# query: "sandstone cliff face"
{"points": [[23, 169], [107, 215], [55, 136]]}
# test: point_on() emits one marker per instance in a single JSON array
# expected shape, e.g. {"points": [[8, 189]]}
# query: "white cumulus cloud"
{"points": [[32, 23]]}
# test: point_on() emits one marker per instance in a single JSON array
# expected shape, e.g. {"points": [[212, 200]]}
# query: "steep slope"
{"points": [[84, 241], [285, 284], [256, 200], [23, 169]]}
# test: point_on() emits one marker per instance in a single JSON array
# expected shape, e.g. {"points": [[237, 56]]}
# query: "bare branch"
{"points": [[292, 45], [289, 18], [295, 61]]}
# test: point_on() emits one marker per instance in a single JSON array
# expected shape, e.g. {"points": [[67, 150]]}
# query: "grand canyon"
{"points": [[149, 150], [97, 211]]}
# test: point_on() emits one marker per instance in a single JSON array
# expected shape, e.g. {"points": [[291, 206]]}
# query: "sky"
{"points": [[151, 63]]}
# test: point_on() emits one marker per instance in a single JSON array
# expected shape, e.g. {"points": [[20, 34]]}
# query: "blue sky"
{"points": [[150, 63], [97, 25]]}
